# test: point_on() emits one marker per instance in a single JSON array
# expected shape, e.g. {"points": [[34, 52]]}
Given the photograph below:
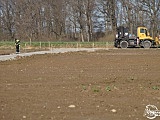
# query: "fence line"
{"points": [[50, 45]]}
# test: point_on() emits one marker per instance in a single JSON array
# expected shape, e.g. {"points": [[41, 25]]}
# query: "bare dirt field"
{"points": [[102, 85], [11, 51]]}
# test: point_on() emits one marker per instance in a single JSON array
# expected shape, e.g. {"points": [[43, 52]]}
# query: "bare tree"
{"points": [[74, 19], [7, 18], [152, 10]]}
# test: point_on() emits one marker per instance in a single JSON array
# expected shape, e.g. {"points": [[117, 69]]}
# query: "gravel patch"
{"points": [[55, 50]]}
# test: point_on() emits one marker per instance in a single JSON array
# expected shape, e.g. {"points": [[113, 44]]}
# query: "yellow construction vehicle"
{"points": [[143, 38]]}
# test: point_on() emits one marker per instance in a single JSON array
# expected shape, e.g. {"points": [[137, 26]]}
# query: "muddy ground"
{"points": [[102, 85]]}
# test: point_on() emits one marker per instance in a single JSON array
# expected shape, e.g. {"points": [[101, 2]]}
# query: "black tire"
{"points": [[147, 44], [115, 44], [124, 44]]}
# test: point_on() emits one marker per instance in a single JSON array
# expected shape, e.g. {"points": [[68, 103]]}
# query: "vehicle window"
{"points": [[142, 30]]}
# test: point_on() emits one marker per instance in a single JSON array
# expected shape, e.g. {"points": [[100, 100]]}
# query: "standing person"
{"points": [[17, 44]]}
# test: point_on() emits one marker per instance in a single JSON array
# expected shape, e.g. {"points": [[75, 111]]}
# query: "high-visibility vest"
{"points": [[17, 42]]}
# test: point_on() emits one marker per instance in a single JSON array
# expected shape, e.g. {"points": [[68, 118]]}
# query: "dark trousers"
{"points": [[17, 48]]}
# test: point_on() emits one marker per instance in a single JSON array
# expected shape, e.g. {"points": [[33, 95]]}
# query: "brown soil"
{"points": [[12, 51], [6, 52], [102, 85]]}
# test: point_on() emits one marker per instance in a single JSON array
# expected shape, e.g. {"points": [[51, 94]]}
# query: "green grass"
{"points": [[108, 88], [96, 89], [58, 44], [156, 88]]}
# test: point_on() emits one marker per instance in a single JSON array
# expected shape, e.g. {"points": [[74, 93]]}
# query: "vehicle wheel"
{"points": [[115, 44], [147, 44], [124, 44]]}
